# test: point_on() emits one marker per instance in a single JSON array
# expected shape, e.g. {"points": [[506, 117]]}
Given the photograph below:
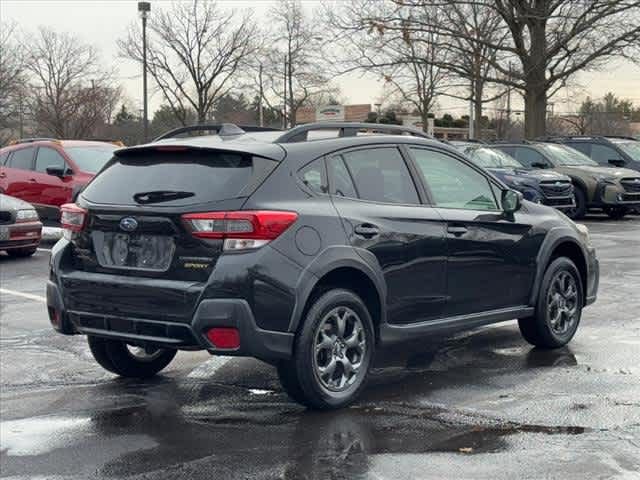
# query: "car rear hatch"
{"points": [[135, 248]]}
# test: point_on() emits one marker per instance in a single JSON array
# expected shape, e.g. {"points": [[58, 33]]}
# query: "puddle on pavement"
{"points": [[39, 435]]}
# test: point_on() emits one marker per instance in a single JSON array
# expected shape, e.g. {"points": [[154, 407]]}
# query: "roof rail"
{"points": [[222, 129], [118, 143], [621, 137], [346, 129], [31, 140], [509, 142]]}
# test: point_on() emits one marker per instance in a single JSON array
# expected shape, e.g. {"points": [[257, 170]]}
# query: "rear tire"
{"points": [[616, 213], [118, 357], [98, 349], [580, 210], [332, 353], [22, 252], [558, 309]]}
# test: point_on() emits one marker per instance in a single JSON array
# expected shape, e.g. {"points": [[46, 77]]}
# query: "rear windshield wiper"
{"points": [[158, 196]]}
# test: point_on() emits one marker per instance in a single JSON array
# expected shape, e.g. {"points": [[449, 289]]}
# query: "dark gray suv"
{"points": [[307, 254]]}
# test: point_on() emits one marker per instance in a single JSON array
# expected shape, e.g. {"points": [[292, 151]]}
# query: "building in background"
{"points": [[333, 113]]}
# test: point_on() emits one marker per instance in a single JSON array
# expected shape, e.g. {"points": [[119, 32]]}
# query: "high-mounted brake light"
{"points": [[240, 230], [72, 217]]}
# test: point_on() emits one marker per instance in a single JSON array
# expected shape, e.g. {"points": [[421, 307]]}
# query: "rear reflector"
{"points": [[54, 316], [224, 337], [72, 217], [241, 229]]}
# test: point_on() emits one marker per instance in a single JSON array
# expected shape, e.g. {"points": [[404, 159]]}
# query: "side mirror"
{"points": [[511, 201], [57, 171], [539, 165], [618, 162]]}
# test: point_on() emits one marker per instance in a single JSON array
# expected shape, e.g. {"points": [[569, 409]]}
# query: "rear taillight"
{"points": [[72, 217], [240, 230]]}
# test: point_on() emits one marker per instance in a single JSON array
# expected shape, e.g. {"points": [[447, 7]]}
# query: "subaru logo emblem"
{"points": [[558, 184], [128, 224], [637, 180]]}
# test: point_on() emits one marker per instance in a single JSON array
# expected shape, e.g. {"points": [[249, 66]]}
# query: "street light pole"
{"points": [[284, 98], [144, 8]]}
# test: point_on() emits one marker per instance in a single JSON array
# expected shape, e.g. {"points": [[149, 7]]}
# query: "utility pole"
{"points": [[260, 112], [284, 98], [509, 97], [144, 8], [472, 134]]}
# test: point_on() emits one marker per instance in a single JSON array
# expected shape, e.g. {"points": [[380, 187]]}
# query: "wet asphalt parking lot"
{"points": [[480, 404]]}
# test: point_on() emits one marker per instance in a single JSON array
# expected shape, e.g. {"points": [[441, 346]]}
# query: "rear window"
{"points": [[91, 159], [177, 178]]}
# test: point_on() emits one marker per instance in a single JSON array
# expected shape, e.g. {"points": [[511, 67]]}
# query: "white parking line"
{"points": [[30, 296], [44, 250]]}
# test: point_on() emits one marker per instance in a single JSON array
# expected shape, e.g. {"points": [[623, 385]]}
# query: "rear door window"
{"points": [[341, 181], [22, 159], [3, 157], [177, 178], [381, 175]]}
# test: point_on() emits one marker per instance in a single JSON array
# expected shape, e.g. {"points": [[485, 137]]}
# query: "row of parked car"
{"points": [[557, 171], [37, 177], [573, 174]]}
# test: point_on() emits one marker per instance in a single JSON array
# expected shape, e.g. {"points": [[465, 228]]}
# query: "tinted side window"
{"points": [[341, 181], [48, 157], [602, 154], [582, 147], [22, 159], [528, 156], [380, 175], [314, 176], [454, 184], [3, 157]]}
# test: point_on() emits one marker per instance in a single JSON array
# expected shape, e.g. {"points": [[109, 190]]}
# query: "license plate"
{"points": [[133, 251], [4, 233]]}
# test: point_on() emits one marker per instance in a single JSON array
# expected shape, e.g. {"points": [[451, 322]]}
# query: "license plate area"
{"points": [[4, 233], [128, 251]]}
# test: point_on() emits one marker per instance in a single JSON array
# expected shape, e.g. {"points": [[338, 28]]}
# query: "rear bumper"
{"points": [[22, 235], [254, 342]]}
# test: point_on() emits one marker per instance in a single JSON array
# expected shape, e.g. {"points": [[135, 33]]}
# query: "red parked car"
{"points": [[47, 173]]}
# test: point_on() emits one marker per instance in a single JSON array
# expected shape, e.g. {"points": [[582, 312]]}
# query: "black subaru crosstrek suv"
{"points": [[307, 254]]}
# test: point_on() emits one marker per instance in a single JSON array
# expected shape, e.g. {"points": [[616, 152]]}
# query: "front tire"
{"points": [[580, 210], [616, 213], [332, 354], [129, 361], [558, 309], [22, 252]]}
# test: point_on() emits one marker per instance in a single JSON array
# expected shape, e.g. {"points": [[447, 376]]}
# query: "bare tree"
{"points": [[473, 52], [551, 40], [376, 37], [12, 80], [195, 50], [295, 64], [70, 95]]}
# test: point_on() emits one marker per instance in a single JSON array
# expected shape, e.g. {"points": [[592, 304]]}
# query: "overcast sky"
{"points": [[101, 22]]}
